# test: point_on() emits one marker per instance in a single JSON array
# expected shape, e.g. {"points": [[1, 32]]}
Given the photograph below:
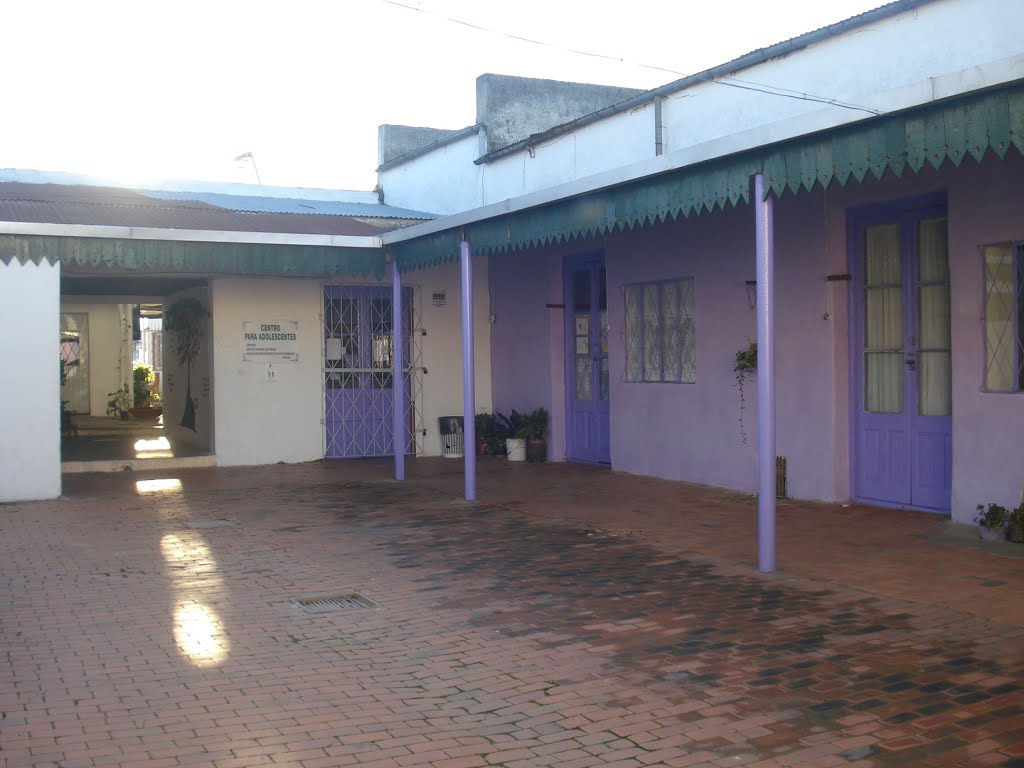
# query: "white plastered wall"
{"points": [[259, 420], [442, 345], [262, 422], [29, 381], [106, 365], [442, 181]]}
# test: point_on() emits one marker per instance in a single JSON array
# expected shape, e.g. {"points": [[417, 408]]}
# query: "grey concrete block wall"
{"points": [[396, 140], [513, 108]]}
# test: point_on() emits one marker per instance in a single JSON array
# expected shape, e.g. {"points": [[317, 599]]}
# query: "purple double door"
{"points": [[586, 350], [358, 380], [901, 351]]}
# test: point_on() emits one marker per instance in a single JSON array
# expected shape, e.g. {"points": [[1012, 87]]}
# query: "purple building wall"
{"points": [[691, 431], [526, 343]]}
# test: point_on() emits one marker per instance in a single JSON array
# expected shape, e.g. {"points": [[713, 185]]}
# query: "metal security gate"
{"points": [[358, 379]]}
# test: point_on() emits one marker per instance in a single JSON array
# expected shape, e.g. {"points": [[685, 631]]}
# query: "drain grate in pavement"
{"points": [[346, 601]]}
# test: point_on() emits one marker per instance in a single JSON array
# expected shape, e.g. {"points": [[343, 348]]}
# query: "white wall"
{"points": [[935, 51], [912, 58], [443, 181], [104, 351], [609, 143], [442, 346], [29, 381], [258, 421]]}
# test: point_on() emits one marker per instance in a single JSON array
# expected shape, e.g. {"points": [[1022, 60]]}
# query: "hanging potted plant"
{"points": [[186, 320], [745, 367]]}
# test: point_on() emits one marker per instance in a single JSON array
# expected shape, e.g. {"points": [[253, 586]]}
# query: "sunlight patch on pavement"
{"points": [[156, 486], [194, 576], [157, 448]]}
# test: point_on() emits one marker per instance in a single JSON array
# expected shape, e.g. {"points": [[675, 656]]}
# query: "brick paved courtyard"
{"points": [[573, 617]]}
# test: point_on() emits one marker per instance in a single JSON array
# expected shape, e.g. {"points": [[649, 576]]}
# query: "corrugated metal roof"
{"points": [[256, 204], [113, 206]]}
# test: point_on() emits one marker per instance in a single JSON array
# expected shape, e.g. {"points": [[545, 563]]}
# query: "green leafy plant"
{"points": [[491, 431], [119, 403], [745, 366], [1015, 522], [142, 385], [534, 424], [185, 319], [993, 517], [516, 424]]}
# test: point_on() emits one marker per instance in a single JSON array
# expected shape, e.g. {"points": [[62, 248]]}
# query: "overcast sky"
{"points": [[141, 91]]}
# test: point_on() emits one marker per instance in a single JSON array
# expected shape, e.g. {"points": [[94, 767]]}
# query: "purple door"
{"points": [[358, 383], [586, 301], [902, 372]]}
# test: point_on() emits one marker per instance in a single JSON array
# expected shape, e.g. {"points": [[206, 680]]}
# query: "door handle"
{"points": [[911, 363]]}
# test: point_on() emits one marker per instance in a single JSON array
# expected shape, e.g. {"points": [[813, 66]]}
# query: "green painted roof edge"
{"points": [[118, 256], [929, 135]]}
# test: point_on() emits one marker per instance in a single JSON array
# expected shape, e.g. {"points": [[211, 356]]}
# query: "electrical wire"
{"points": [[727, 81], [772, 90], [509, 35]]}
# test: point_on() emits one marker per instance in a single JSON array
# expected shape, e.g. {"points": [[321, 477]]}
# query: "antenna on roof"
{"points": [[248, 156]]}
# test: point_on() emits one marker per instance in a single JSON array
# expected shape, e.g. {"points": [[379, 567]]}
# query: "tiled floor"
{"points": [[572, 617], [107, 439]]}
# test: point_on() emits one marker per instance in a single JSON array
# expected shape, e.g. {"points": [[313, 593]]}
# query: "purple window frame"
{"points": [[661, 339]]}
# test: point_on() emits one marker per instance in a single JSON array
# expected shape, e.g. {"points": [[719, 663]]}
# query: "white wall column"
{"points": [[29, 381]]}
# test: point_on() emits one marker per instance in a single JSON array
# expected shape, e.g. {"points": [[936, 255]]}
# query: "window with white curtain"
{"points": [[1004, 317], [660, 338]]}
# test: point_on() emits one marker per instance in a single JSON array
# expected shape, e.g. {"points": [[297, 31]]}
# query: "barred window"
{"points": [[1004, 317], [660, 342]]}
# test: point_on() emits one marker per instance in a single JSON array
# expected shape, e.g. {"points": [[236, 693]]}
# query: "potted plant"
{"points": [[535, 429], [143, 395], [992, 522], [1015, 524], [119, 403], [745, 366], [515, 443], [67, 426], [186, 320], [491, 431]]}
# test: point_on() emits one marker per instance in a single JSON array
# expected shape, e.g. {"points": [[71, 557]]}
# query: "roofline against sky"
{"points": [[746, 61], [412, 154], [991, 76], [188, 235]]}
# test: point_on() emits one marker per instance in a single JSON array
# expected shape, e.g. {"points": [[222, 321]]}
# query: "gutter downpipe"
{"points": [[398, 372], [764, 222], [468, 373]]}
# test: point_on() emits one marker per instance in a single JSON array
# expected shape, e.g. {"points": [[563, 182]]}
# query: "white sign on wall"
{"points": [[270, 342]]}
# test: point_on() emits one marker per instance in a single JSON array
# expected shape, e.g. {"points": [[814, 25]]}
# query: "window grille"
{"points": [[1004, 317], [660, 333]]}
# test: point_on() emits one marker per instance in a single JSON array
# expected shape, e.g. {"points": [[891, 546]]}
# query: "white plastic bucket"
{"points": [[516, 448]]}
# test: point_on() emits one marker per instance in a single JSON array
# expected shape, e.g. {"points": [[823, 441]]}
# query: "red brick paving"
{"points": [[573, 617]]}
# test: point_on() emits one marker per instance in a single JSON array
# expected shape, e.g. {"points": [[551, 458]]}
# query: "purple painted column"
{"points": [[468, 373], [765, 271], [398, 373]]}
